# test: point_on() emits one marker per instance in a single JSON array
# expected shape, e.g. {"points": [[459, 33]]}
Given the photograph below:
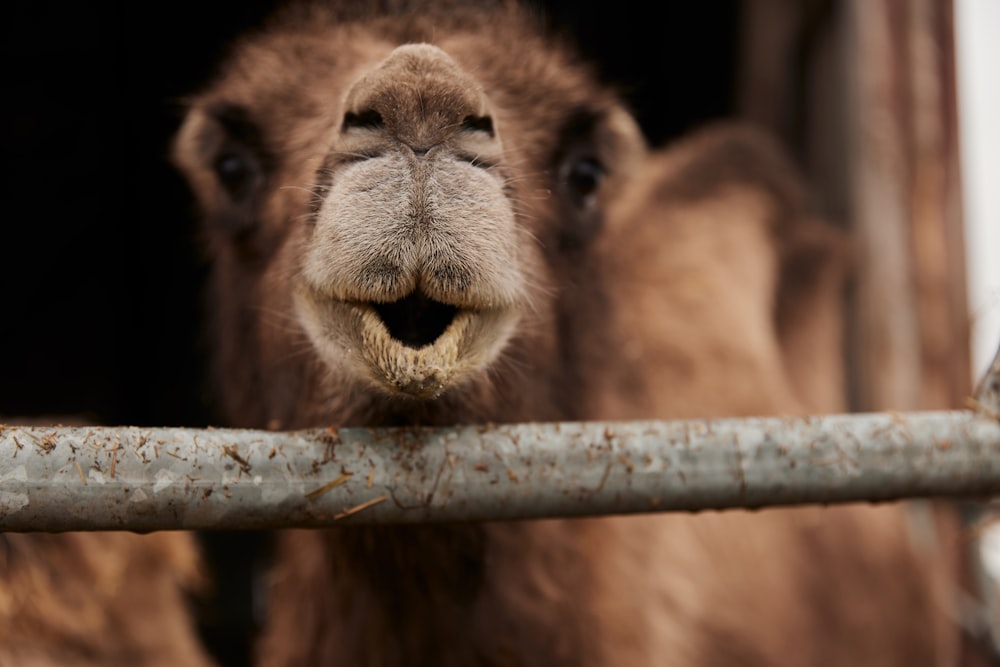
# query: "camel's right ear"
{"points": [[221, 152]]}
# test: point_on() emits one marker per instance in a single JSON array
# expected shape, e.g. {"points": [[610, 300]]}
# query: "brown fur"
{"points": [[690, 283], [98, 599]]}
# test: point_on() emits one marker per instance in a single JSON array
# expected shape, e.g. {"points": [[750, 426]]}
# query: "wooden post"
{"points": [[911, 344], [863, 92]]}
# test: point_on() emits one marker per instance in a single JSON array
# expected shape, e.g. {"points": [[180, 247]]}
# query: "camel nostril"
{"points": [[416, 320], [369, 119], [478, 123]]}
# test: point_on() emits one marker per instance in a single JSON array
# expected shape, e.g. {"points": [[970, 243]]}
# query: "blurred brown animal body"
{"points": [[102, 599], [435, 215], [98, 599]]}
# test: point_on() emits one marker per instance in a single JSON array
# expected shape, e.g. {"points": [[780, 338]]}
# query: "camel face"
{"points": [[412, 276]]}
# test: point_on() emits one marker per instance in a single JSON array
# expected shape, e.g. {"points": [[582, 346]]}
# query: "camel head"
{"points": [[409, 213]]}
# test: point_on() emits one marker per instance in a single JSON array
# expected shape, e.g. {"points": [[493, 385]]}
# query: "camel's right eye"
{"points": [[236, 154], [240, 161], [235, 173]]}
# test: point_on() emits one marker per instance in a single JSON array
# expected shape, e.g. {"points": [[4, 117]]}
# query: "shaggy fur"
{"points": [[426, 213]]}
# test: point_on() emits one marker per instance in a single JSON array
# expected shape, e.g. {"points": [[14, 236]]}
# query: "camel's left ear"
{"points": [[816, 260]]}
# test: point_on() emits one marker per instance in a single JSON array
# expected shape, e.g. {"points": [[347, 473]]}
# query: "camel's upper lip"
{"points": [[416, 320]]}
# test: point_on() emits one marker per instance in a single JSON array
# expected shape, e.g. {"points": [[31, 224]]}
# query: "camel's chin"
{"points": [[353, 337]]}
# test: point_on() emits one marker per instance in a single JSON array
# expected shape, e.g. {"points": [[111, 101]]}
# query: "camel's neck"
{"points": [[450, 594], [417, 584]]}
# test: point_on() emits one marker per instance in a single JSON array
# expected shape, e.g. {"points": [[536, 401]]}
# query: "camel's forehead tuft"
{"points": [[295, 66]]}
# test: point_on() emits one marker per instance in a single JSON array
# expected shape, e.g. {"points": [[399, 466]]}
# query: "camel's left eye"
{"points": [[580, 171], [583, 178], [580, 177]]}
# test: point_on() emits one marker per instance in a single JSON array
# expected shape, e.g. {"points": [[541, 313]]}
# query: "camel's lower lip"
{"points": [[415, 347], [424, 371]]}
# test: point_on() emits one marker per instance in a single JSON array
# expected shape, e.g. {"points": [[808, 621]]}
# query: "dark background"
{"points": [[100, 275], [100, 278]]}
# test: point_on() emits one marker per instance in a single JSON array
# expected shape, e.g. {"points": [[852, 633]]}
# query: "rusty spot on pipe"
{"points": [[232, 452]]}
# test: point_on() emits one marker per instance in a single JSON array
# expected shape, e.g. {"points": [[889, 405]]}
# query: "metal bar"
{"points": [[96, 478]]}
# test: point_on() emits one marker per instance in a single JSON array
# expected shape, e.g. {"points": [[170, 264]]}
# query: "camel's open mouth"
{"points": [[414, 346], [416, 320]]}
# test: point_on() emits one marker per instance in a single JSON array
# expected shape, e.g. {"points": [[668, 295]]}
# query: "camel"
{"points": [[433, 213]]}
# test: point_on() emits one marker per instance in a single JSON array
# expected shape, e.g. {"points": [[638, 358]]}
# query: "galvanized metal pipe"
{"points": [[95, 478]]}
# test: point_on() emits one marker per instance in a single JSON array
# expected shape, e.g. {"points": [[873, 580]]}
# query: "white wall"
{"points": [[977, 27]]}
